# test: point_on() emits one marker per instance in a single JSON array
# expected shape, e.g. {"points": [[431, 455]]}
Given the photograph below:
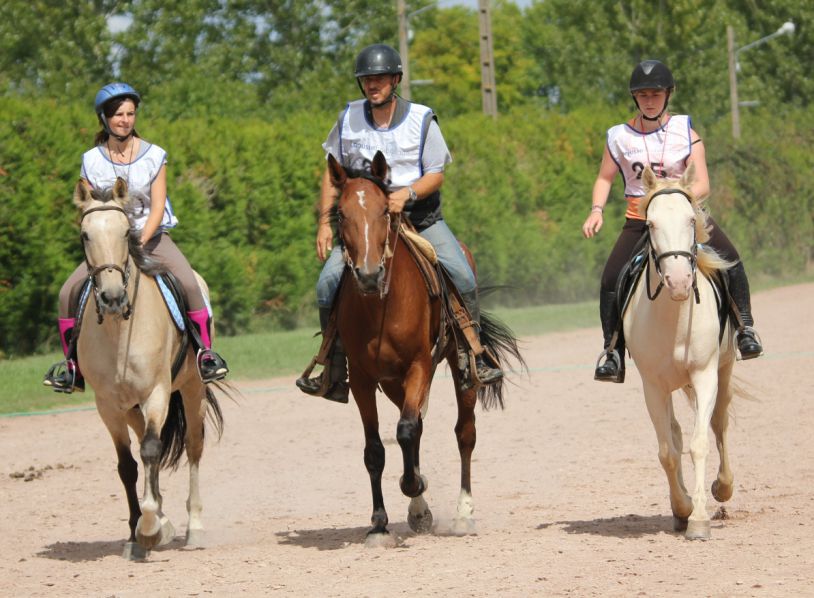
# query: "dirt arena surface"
{"points": [[569, 495]]}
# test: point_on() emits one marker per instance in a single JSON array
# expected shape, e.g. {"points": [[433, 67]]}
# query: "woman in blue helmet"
{"points": [[119, 152]]}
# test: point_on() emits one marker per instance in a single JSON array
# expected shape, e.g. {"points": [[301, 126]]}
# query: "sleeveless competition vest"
{"points": [[665, 150], [101, 173]]}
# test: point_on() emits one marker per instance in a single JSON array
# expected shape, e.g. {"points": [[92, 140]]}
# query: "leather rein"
{"points": [[692, 256]]}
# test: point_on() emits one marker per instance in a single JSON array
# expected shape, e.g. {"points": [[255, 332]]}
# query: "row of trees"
{"points": [[227, 58], [243, 92]]}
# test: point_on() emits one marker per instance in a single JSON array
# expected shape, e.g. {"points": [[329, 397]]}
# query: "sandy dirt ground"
{"points": [[569, 495]]}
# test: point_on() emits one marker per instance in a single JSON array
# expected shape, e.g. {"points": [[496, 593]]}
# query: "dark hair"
{"points": [[109, 109]]}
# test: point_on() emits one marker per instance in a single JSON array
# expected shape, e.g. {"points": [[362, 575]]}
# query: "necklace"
{"points": [[658, 168], [391, 109], [129, 162]]}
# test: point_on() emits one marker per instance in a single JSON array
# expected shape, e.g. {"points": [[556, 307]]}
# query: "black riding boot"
{"points": [[338, 371], [747, 338], [485, 372], [613, 368]]}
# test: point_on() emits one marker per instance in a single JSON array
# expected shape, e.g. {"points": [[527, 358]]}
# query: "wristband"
{"points": [[596, 208]]}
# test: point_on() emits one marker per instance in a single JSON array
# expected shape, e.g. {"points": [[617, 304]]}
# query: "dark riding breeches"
{"points": [[633, 230]]}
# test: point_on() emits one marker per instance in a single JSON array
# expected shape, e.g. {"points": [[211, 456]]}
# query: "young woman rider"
{"points": [[668, 145]]}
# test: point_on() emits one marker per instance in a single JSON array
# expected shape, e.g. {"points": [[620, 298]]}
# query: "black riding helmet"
{"points": [[377, 59], [652, 74]]}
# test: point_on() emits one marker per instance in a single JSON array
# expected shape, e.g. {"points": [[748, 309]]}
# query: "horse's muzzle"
{"points": [[113, 302], [369, 282]]}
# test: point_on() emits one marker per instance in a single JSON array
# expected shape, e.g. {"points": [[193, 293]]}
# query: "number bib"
{"points": [[665, 150]]}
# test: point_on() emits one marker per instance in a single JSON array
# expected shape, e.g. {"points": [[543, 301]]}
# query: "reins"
{"points": [[692, 256]]}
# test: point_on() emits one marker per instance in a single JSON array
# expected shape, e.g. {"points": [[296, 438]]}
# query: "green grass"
{"points": [[256, 356], [269, 354]]}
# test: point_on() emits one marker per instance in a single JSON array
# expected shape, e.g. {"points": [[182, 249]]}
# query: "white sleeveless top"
{"points": [[402, 145], [101, 172], [665, 150]]}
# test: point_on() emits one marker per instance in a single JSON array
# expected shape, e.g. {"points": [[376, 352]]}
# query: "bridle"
{"points": [[692, 255], [384, 286], [94, 270]]}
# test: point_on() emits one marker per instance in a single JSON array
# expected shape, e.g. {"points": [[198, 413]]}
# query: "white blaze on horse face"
{"points": [[363, 205]]}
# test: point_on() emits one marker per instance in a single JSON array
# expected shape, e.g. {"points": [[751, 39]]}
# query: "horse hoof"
{"points": [[698, 530], [420, 523], [134, 552], [463, 526], [195, 538], [679, 523], [380, 540], [720, 492], [167, 531]]}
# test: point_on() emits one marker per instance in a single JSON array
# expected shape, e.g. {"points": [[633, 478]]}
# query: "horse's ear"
{"points": [[648, 178], [120, 190], [688, 178], [378, 168], [336, 172], [81, 194]]}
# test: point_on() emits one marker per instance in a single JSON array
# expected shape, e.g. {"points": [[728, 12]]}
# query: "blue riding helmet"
{"points": [[112, 91]]}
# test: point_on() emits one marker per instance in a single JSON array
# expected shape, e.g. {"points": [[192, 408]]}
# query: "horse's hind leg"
{"points": [[464, 522], [659, 407], [723, 485], [195, 406]]}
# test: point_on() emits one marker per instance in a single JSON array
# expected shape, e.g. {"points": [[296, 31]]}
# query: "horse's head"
{"points": [[363, 220], [676, 224], [106, 238]]}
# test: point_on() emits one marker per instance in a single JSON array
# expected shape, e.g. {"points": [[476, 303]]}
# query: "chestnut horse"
{"points": [[126, 350], [675, 339], [389, 326]]}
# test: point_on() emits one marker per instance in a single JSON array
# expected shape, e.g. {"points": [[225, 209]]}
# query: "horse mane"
{"points": [[710, 262], [146, 264]]}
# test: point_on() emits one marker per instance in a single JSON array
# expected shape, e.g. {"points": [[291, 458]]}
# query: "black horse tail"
{"points": [[499, 341], [174, 431], [173, 434]]}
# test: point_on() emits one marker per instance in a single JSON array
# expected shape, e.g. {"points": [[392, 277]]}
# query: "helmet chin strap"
{"points": [[120, 138], [659, 115]]}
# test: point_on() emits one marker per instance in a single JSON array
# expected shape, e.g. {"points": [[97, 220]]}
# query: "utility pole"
{"points": [[487, 61], [733, 82], [401, 10]]}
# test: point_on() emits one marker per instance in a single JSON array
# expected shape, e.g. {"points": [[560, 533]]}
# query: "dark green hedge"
{"points": [[245, 192]]}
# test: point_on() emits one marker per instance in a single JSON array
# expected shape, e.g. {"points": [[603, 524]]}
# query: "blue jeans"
{"points": [[449, 252]]}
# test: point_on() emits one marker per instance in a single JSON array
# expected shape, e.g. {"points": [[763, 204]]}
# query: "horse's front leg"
{"points": [[153, 527], [659, 407], [128, 469], [706, 388], [465, 433], [364, 393]]}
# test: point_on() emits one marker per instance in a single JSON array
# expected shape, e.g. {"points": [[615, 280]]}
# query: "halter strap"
{"points": [[94, 270], [692, 256]]}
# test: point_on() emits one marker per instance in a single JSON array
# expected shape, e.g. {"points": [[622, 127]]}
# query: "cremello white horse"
{"points": [[126, 349], [674, 339]]}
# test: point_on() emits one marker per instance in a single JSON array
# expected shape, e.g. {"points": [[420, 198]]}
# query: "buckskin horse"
{"points": [[126, 350], [676, 340], [390, 325]]}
